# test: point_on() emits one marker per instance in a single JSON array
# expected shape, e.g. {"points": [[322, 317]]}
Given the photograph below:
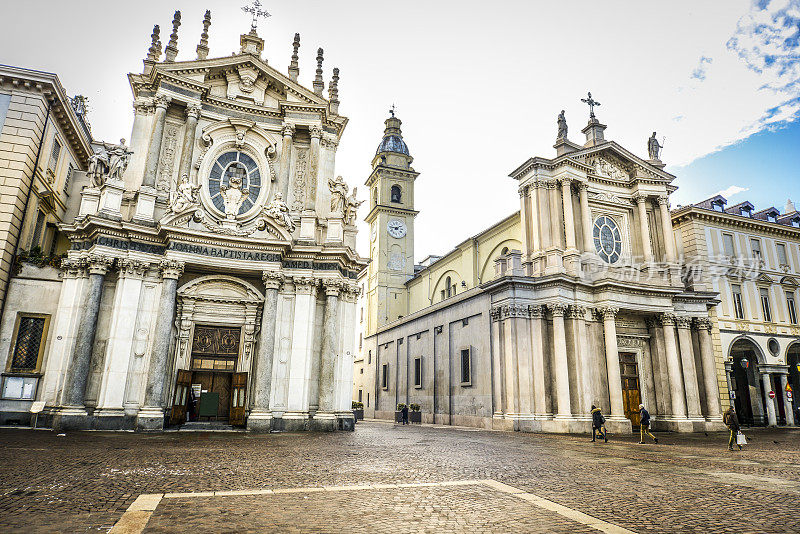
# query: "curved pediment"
{"points": [[221, 288]]}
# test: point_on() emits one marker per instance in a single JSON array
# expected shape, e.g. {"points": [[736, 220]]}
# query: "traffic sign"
{"points": [[789, 396], [771, 394]]}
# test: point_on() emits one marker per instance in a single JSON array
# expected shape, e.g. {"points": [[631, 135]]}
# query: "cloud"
{"points": [[731, 190], [699, 73]]}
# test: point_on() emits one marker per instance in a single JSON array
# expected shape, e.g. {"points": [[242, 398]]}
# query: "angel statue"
{"points": [[98, 167], [279, 211], [185, 195], [351, 207], [118, 158], [338, 194]]}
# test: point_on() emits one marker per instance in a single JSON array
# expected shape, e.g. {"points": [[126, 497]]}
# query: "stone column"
{"points": [[713, 408], [533, 217], [325, 418], [560, 360], [788, 407], [585, 371], [151, 416], [189, 136], [688, 367], [260, 417], [523, 220], [154, 152], [586, 217], [537, 361], [313, 174], [497, 375], [286, 159], [674, 367], [644, 226], [666, 225], [766, 383], [555, 224], [305, 306], [543, 216], [569, 220], [73, 415], [612, 361]]}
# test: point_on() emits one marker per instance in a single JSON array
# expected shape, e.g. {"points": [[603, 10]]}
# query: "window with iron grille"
{"points": [[54, 154], [418, 372], [738, 307], [385, 376], [30, 335], [466, 367], [36, 240], [68, 179]]}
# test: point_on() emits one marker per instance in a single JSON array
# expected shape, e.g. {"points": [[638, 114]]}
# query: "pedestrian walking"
{"points": [[404, 411], [732, 422], [598, 424], [644, 425]]}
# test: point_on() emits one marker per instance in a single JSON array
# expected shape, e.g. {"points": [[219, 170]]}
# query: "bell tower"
{"points": [[391, 228]]}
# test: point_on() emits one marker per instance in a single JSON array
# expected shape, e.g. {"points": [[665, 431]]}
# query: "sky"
{"points": [[479, 85]]}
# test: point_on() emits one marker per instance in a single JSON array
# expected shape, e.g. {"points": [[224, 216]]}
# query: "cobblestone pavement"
{"points": [[85, 481]]}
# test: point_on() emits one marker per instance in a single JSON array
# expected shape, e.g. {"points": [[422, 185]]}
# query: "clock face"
{"points": [[396, 228]]}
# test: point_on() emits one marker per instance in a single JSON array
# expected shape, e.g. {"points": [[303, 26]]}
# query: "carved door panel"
{"points": [[631, 395], [180, 397], [222, 385], [238, 398]]}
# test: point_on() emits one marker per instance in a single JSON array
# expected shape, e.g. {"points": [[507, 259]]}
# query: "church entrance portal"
{"points": [[631, 394], [748, 395]]}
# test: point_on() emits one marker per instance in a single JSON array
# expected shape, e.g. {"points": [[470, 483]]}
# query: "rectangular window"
{"points": [[755, 248], [36, 240], [765, 305], [55, 152], [738, 308], [68, 179], [31, 333], [466, 367], [367, 398], [727, 245], [792, 309], [417, 372], [443, 294], [385, 376], [360, 341], [360, 393], [782, 260], [369, 357], [362, 315]]}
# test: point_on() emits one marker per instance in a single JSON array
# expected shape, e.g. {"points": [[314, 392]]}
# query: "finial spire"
{"points": [[202, 48], [294, 68], [256, 11], [319, 85], [155, 44], [333, 92], [172, 46], [392, 110]]}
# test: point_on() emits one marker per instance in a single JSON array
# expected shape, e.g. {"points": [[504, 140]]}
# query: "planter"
{"points": [[398, 417], [415, 417], [358, 415]]}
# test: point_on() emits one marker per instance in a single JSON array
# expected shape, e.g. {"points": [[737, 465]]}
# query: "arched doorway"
{"points": [[793, 361], [746, 387]]}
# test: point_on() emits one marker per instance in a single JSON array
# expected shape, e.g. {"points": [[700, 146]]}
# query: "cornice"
{"points": [[734, 221]]}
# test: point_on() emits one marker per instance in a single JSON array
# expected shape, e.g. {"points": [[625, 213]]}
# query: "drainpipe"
{"points": [[25, 209]]}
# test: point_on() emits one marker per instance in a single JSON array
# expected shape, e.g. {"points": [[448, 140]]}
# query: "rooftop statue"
{"points": [[108, 162], [562, 126], [653, 148]]}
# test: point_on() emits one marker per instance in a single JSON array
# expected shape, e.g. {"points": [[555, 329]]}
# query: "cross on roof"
{"points": [[392, 110], [256, 11], [592, 103]]}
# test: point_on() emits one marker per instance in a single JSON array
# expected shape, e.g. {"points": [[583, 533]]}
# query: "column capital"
{"points": [[171, 269], [99, 264], [558, 309], [305, 285], [608, 312], [315, 131], [495, 313], [523, 191], [549, 184], [566, 181], [663, 200], [73, 267], [333, 287], [162, 101], [287, 130], [193, 111], [703, 323], [639, 197], [581, 185], [576, 312], [535, 311], [143, 105], [684, 321], [668, 319], [129, 268], [272, 279]]}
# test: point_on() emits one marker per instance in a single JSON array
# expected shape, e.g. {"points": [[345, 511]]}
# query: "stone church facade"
{"points": [[212, 258], [576, 300]]}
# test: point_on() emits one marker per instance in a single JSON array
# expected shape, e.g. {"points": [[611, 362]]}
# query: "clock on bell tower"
{"points": [[391, 219]]}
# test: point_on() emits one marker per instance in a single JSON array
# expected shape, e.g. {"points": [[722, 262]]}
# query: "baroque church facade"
{"points": [[577, 299], [212, 259]]}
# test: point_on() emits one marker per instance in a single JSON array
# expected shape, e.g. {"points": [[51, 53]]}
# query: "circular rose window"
{"points": [[238, 173], [607, 239]]}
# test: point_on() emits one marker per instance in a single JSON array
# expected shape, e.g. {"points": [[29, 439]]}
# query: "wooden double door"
{"points": [[631, 392]]}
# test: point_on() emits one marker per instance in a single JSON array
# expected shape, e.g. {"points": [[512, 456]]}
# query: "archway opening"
{"points": [[745, 386], [793, 360]]}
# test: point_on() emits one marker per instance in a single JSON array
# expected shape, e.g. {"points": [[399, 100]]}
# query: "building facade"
{"points": [[752, 260], [576, 300], [212, 259]]}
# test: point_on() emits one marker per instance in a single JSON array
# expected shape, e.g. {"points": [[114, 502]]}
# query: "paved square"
{"points": [[396, 479]]}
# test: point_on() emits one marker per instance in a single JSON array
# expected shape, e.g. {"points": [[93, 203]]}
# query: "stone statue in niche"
{"points": [[351, 207], [338, 195], [233, 195], [653, 147], [108, 163], [279, 212], [185, 196], [562, 126]]}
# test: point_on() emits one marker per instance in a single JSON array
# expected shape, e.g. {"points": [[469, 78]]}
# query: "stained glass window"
{"points": [[607, 239], [232, 164]]}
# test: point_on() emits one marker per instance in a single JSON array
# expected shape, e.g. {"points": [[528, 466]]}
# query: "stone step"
{"points": [[208, 426]]}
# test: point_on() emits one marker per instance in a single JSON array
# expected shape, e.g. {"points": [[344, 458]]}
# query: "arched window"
{"points": [[449, 287], [505, 251], [396, 194], [375, 196]]}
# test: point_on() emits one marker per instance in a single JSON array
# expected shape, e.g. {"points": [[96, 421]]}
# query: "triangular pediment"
{"points": [[613, 161]]}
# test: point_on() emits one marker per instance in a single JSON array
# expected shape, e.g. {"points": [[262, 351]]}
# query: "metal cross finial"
{"points": [[256, 12], [391, 110], [592, 103]]}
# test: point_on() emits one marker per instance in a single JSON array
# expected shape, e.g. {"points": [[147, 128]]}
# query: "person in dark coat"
{"points": [[598, 424], [732, 422], [644, 424], [404, 411]]}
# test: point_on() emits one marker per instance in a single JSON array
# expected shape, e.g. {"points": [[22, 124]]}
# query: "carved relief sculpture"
{"points": [[108, 162], [278, 211], [233, 195], [185, 196]]}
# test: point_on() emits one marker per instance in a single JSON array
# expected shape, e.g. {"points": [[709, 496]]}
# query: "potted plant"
{"points": [[415, 416], [398, 414], [358, 410]]}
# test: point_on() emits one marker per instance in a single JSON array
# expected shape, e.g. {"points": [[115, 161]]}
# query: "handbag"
{"points": [[740, 439]]}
